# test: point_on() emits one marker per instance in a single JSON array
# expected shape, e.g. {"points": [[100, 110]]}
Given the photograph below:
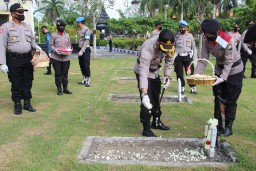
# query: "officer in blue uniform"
{"points": [[47, 33]]}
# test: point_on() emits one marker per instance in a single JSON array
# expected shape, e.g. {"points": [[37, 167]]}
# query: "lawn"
{"points": [[51, 138]]}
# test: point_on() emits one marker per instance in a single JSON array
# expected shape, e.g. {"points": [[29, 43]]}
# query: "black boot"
{"points": [[158, 124], [147, 131], [17, 108], [27, 106], [66, 91], [220, 127], [59, 90], [228, 128]]}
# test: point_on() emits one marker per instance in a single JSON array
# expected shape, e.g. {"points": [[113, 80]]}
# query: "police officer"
{"points": [[246, 52], [16, 45], [48, 47], [60, 62], [228, 71], [185, 52], [235, 33], [158, 28], [110, 39], [150, 57], [84, 54], [250, 38]]}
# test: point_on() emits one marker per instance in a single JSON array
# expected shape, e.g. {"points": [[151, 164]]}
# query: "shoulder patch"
{"points": [[230, 45]]}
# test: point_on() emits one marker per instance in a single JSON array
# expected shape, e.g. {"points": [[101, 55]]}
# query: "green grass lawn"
{"points": [[51, 138]]}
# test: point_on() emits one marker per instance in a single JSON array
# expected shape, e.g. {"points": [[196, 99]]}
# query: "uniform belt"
{"points": [[20, 55], [221, 66], [183, 54]]}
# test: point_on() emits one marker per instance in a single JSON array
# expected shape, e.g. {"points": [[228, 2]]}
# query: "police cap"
{"points": [[17, 8], [250, 35], [183, 23], [158, 23], [60, 23], [210, 26], [166, 39], [249, 23], [79, 19], [236, 26]]}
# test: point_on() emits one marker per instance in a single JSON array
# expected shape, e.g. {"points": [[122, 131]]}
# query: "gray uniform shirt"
{"points": [[184, 43], [224, 56], [60, 41], [154, 33], [150, 57], [84, 38], [245, 46], [236, 36], [14, 38]]}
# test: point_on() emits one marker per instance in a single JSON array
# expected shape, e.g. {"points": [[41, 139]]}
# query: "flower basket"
{"points": [[65, 51], [198, 79]]}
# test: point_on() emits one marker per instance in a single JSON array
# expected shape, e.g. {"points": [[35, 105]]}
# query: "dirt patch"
{"points": [[136, 98], [149, 151]]}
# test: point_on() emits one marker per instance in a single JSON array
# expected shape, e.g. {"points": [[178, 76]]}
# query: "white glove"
{"points": [[80, 53], [50, 54], [191, 53], [249, 51], [4, 68], [218, 81], [146, 102], [166, 82], [38, 48]]}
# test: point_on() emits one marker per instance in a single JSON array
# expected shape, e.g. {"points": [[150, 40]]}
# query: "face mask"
{"points": [[182, 31], [213, 38], [20, 17], [235, 30], [160, 28], [61, 29]]}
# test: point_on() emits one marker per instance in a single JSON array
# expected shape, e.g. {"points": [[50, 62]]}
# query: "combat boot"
{"points": [[59, 90], [147, 131], [87, 82], [17, 108], [65, 90], [27, 106], [228, 128], [158, 124]]}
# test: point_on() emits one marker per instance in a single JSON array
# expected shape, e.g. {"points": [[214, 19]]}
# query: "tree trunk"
{"points": [[214, 11], [181, 15], [200, 38]]}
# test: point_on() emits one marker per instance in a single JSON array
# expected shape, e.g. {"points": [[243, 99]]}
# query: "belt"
{"points": [[183, 54], [20, 55], [221, 66]]}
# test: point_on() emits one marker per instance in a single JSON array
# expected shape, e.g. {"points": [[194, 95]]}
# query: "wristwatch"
{"points": [[143, 94]]}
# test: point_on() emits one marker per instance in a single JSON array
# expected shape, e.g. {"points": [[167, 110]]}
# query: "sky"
{"points": [[119, 4]]}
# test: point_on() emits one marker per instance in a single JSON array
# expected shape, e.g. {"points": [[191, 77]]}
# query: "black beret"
{"points": [[60, 23], [158, 23], [166, 35], [210, 26], [250, 34]]}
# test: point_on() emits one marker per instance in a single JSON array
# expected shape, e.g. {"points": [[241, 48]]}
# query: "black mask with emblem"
{"points": [[213, 38]]}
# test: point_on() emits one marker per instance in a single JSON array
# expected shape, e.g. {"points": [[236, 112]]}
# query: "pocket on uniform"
{"points": [[13, 36], [188, 43], [28, 36], [221, 52]]}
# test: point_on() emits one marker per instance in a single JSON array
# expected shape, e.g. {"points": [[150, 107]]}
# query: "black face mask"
{"points": [[236, 30], [213, 38], [160, 28], [61, 29], [20, 17], [182, 31]]}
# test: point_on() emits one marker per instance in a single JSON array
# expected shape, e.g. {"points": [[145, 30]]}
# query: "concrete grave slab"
{"points": [[136, 98], [183, 152]]}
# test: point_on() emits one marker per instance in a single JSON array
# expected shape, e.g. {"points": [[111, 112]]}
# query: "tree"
{"points": [[151, 6], [52, 9]]}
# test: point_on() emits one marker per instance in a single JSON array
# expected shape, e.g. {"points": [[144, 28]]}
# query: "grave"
{"points": [[153, 151]]}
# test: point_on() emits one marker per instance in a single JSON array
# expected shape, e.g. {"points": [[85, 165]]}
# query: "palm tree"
{"points": [[181, 6], [226, 6], [151, 6], [52, 9]]}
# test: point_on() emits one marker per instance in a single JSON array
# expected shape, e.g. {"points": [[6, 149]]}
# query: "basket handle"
{"points": [[203, 60]]}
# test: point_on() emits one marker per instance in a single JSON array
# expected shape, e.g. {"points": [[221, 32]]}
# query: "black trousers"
{"points": [[110, 45], [154, 90], [245, 56], [181, 63], [228, 93], [20, 75], [49, 68], [61, 72], [84, 62]]}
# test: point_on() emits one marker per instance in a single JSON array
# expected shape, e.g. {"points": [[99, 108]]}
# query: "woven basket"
{"points": [[198, 79], [40, 60]]}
